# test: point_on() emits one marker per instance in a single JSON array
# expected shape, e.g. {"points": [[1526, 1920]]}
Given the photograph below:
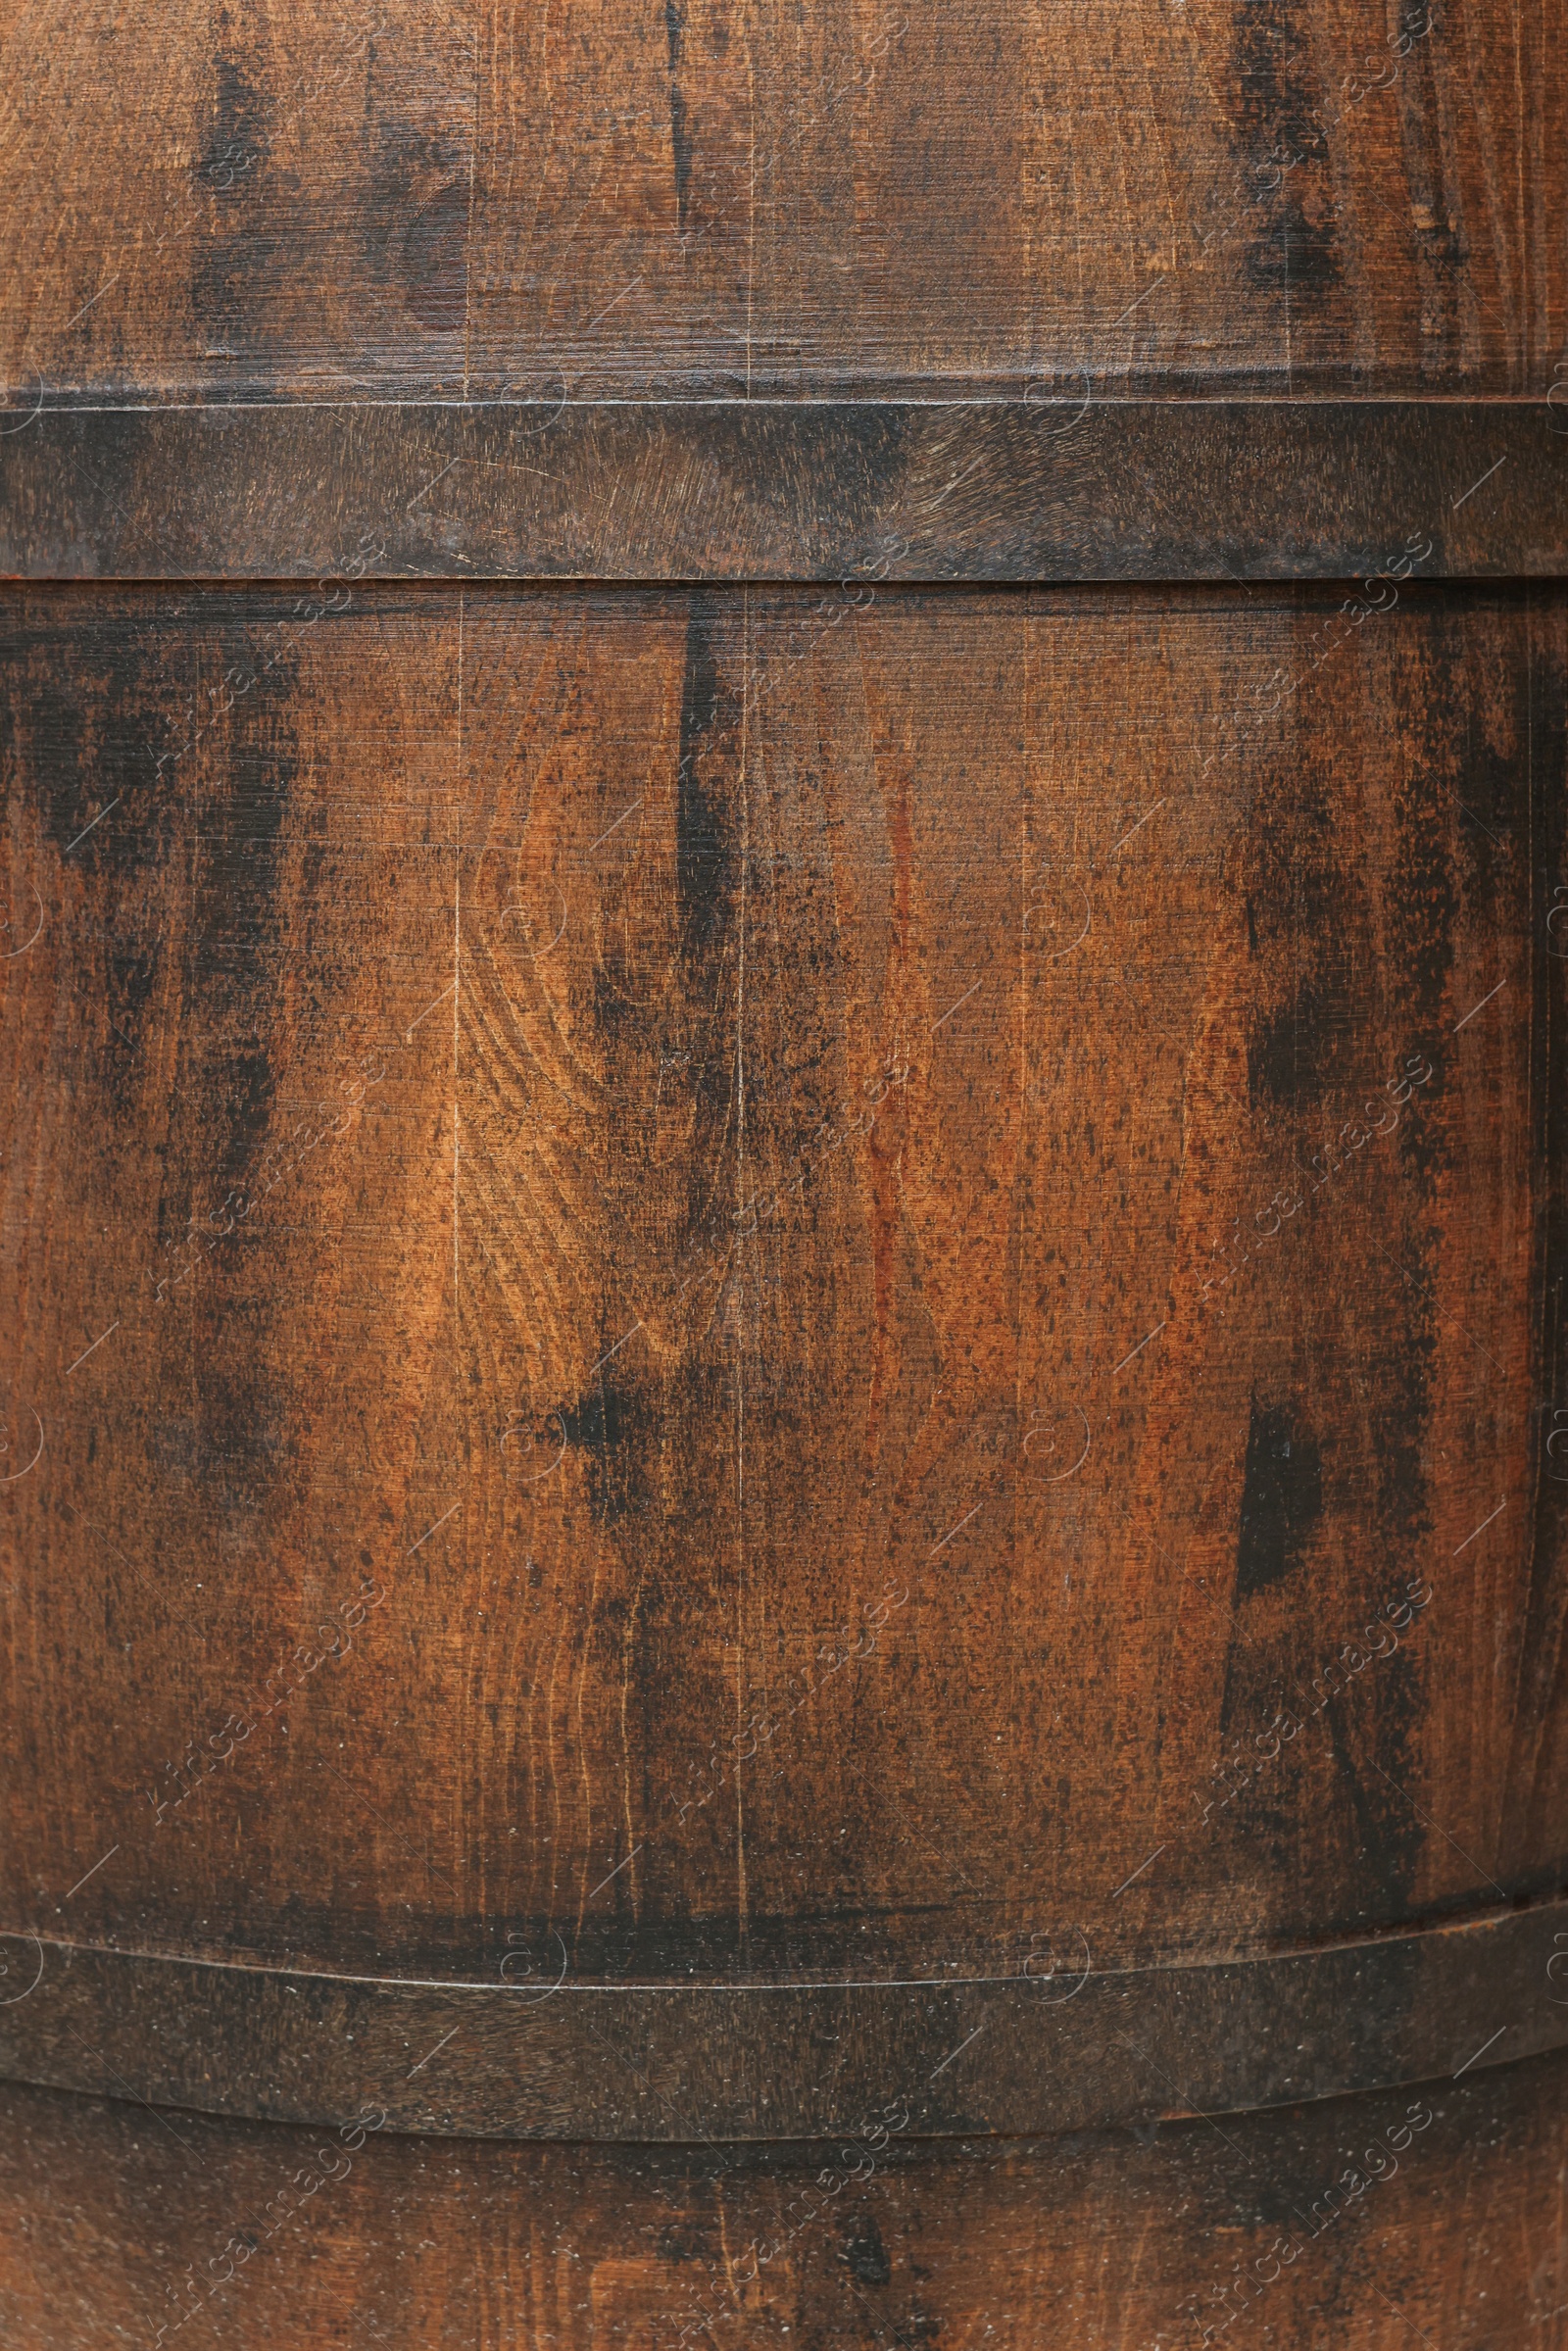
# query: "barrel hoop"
{"points": [[842, 491], [544, 2055]]}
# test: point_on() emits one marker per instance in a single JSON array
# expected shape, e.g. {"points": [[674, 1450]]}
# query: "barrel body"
{"points": [[784, 1022]]}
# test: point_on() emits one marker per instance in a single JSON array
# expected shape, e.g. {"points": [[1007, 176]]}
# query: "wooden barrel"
{"points": [[784, 1190]]}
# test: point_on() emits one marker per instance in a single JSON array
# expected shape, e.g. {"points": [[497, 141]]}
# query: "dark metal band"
{"points": [[759, 490], [686, 2064]]}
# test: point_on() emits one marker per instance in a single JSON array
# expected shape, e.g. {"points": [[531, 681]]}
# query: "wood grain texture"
{"points": [[1055, 2047], [1360, 2221], [769, 1211], [778, 1360], [749, 490], [689, 199]]}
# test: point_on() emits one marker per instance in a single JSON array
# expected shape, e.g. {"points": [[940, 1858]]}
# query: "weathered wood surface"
{"points": [[888, 1275], [661, 201], [725, 1295], [1430, 2212], [542, 2055], [783, 490]]}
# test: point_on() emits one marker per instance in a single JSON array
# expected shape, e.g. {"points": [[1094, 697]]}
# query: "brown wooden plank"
{"points": [[757, 490], [699, 1148], [688, 200], [1375, 2221]]}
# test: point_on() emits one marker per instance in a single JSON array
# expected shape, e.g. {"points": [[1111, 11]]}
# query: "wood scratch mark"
{"points": [[435, 2052], [1485, 1524], [1131, 305], [1480, 1007], [430, 484], [90, 1350], [614, 299], [611, 1351], [958, 2052], [958, 1530], [430, 1531], [408, 1033], [1481, 2052], [952, 1007], [92, 1873], [1139, 826], [98, 820], [87, 305], [1136, 1350], [619, 821], [1476, 485], [616, 1872], [1139, 1871]]}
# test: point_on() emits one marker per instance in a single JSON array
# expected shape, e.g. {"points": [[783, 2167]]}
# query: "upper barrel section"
{"points": [[693, 199], [1170, 290]]}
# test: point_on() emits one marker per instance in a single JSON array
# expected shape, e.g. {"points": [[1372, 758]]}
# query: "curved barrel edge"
{"points": [[647, 2064]]}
